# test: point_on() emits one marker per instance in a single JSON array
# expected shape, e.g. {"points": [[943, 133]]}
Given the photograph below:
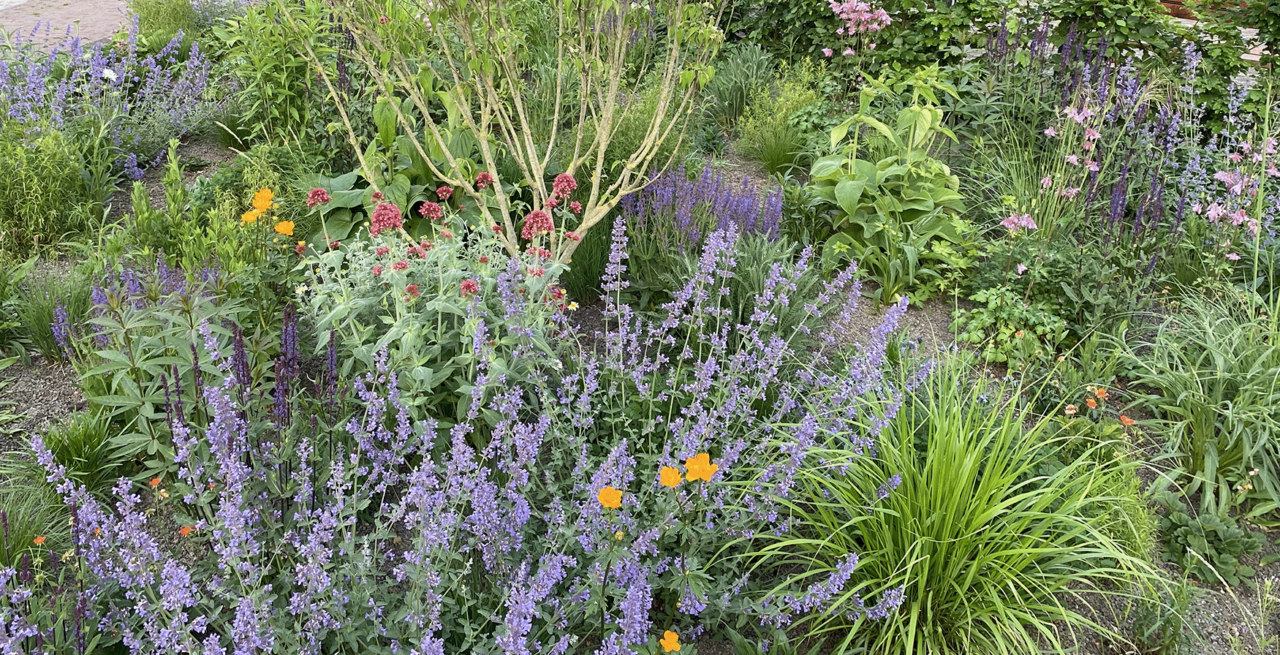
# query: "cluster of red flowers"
{"points": [[470, 287], [386, 216], [377, 269], [431, 210], [575, 207], [536, 223], [573, 236], [539, 253], [444, 192], [412, 289], [382, 250], [400, 265], [317, 196], [537, 271], [483, 180], [564, 185]]}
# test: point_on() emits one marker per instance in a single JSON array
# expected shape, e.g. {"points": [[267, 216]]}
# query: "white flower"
{"points": [[110, 75]]}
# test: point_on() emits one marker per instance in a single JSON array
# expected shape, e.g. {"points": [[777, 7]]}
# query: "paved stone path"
{"points": [[93, 20]]}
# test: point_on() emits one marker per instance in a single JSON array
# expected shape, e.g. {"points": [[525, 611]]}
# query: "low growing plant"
{"points": [[1207, 546]]}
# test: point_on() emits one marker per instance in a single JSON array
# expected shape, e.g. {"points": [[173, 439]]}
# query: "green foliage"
{"points": [[1216, 370], [894, 215], [159, 21], [803, 218], [741, 71], [986, 543], [582, 280], [1209, 546], [278, 89], [37, 310], [40, 187], [1129, 26], [1161, 620], [30, 510], [769, 132], [82, 444], [1007, 328], [11, 277]]}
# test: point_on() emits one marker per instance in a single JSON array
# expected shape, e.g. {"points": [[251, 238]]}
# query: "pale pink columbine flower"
{"points": [[827, 52], [1233, 257], [1092, 165], [1050, 132], [1069, 194], [1273, 171], [1196, 208], [1235, 156], [1087, 145], [1257, 157], [1046, 183], [848, 52], [1073, 160], [1238, 217], [871, 46], [1091, 134], [1078, 115], [1022, 268], [1246, 147], [1019, 222], [1215, 212], [1270, 146], [1253, 227]]}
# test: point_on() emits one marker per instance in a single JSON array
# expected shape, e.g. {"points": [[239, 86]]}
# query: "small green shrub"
{"points": [[986, 544], [1007, 328], [582, 280], [1216, 369], [39, 187], [82, 444], [1161, 620], [11, 277], [769, 134], [29, 510], [1207, 546], [728, 94], [161, 20], [38, 310]]}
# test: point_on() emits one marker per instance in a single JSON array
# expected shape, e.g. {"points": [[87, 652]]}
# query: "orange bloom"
{"points": [[155, 482], [250, 216], [262, 200], [670, 476], [285, 228], [185, 531], [1071, 410], [670, 642], [1126, 420], [610, 497], [700, 467], [1101, 393], [1093, 404], [39, 541]]}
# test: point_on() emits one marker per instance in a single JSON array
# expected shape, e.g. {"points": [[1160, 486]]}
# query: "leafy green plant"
{"points": [[11, 277], [889, 215], [39, 187], [1007, 328], [769, 132], [985, 545], [39, 306], [1208, 546], [1161, 622], [737, 75], [1216, 372], [161, 20]]}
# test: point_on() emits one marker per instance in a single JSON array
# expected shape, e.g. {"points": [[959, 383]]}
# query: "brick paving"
{"points": [[93, 20]]}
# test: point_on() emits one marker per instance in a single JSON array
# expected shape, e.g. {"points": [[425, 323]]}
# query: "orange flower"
{"points": [[670, 476], [670, 642], [700, 467], [262, 200], [1093, 404], [285, 228], [185, 531], [610, 497], [1071, 410], [155, 482], [39, 541], [1126, 420], [1101, 393], [250, 216]]}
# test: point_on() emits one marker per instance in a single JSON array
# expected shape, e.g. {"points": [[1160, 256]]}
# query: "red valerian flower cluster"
{"points": [[317, 196], [431, 210], [536, 223], [483, 180], [470, 287], [444, 192], [564, 185], [386, 216]]}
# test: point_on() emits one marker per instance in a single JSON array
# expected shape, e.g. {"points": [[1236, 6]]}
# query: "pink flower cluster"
{"points": [[536, 223], [483, 180], [859, 17], [1019, 222], [386, 216], [317, 196], [444, 192], [564, 185], [431, 210], [470, 287]]}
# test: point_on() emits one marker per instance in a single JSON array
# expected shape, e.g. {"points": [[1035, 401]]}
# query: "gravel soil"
{"points": [[41, 392]]}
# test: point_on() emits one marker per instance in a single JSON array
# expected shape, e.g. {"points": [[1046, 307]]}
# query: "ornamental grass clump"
{"points": [[599, 502]]}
